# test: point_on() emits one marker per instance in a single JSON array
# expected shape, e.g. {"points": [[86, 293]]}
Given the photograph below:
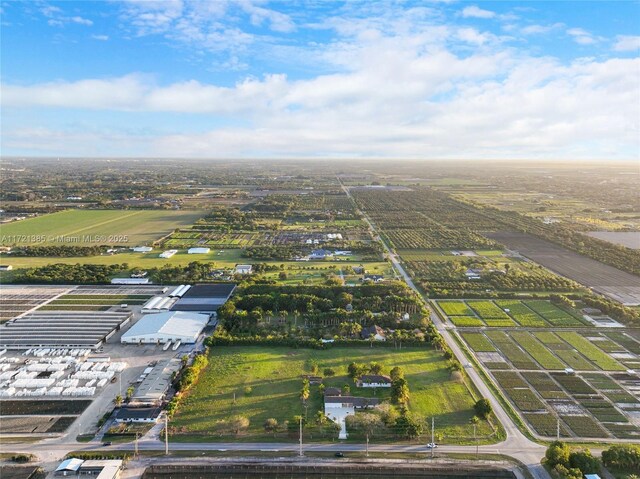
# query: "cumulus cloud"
{"points": [[433, 104], [474, 11], [57, 18], [395, 83], [581, 36], [540, 29], [102, 38], [627, 43]]}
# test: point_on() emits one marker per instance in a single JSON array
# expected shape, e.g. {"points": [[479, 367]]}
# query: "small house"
{"points": [[138, 414], [373, 331], [376, 278], [320, 254], [332, 392], [374, 381], [142, 249], [243, 269]]}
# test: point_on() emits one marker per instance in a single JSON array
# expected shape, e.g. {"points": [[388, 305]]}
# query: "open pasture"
{"points": [[274, 376], [96, 227]]}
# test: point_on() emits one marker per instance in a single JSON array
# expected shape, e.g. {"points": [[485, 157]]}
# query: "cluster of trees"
{"points": [[622, 457], [538, 280], [400, 393], [357, 370], [482, 408], [568, 464], [321, 309], [273, 253], [191, 374], [187, 379], [616, 310], [192, 272], [59, 251], [221, 337], [227, 220], [60, 273]]}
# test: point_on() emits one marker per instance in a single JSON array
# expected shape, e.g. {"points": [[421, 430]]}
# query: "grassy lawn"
{"points": [[297, 271], [137, 226], [274, 376]]}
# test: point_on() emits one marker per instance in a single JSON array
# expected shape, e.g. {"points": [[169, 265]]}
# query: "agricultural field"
{"points": [[618, 285], [508, 313], [273, 375], [598, 399], [39, 416], [96, 227]]}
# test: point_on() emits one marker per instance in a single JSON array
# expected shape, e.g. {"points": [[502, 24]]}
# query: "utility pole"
{"points": [[557, 428], [433, 441], [367, 444], [120, 381], [135, 446], [166, 434], [475, 438], [300, 452]]}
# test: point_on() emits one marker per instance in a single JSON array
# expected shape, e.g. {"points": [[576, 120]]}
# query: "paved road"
{"points": [[516, 445]]}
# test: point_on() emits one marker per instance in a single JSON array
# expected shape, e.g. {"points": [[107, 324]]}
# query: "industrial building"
{"points": [[172, 326], [61, 329], [101, 469], [158, 304], [138, 414], [204, 298], [156, 383]]}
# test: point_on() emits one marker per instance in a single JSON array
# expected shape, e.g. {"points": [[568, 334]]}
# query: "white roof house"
{"points": [[243, 268], [198, 250], [142, 249], [67, 466], [165, 327]]}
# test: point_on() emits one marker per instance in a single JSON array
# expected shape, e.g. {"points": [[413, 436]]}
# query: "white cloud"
{"points": [[582, 36], [400, 103], [102, 38], [627, 43], [540, 29], [474, 11], [81, 21], [57, 18], [401, 83]]}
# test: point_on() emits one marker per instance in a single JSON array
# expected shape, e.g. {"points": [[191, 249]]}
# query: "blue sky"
{"points": [[252, 78]]}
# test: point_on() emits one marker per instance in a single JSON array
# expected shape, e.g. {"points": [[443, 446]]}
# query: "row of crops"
{"points": [[508, 313], [596, 401]]}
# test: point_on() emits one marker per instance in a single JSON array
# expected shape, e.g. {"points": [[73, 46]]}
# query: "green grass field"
{"points": [[95, 227], [274, 374], [297, 271]]}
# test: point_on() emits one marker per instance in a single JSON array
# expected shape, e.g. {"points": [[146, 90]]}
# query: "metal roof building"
{"points": [[155, 385], [172, 326], [204, 298], [61, 329]]}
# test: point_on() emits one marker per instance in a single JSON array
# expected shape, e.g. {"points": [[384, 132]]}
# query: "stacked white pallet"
{"points": [[68, 383], [7, 392], [32, 383], [55, 391], [102, 382]]}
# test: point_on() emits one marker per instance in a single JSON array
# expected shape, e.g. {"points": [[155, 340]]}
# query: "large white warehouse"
{"points": [[172, 326]]}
